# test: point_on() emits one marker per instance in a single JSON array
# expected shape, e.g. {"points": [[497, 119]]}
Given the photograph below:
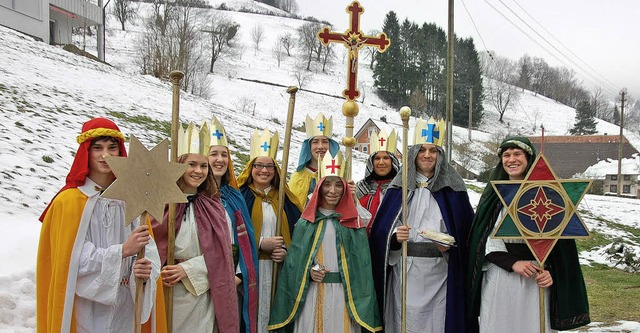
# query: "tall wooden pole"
{"points": [[451, 38], [137, 314], [350, 111], [176, 77], [405, 113], [283, 179], [622, 94]]}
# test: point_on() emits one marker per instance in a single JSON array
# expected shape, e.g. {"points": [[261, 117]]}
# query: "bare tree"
{"points": [[418, 102], [124, 11], [601, 105], [289, 6], [257, 35], [277, 51], [371, 51], [327, 56], [287, 42], [502, 96], [222, 32], [301, 75], [308, 40]]}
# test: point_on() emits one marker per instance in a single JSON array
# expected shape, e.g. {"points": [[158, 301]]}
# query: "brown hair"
{"points": [[209, 186]]}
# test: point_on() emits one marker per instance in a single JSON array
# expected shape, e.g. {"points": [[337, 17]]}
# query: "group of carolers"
{"points": [[338, 249]]}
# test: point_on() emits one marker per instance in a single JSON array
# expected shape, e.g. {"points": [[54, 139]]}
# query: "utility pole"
{"points": [[470, 110], [622, 93], [449, 110]]}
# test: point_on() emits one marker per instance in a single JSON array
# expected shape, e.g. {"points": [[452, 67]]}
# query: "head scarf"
{"points": [[305, 151], [369, 184], [346, 207], [485, 217], [444, 175], [94, 128]]}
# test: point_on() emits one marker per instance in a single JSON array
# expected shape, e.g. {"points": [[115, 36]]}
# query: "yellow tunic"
{"points": [[300, 182]]}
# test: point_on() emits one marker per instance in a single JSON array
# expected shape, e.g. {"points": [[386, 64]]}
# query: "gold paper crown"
{"points": [[380, 141], [319, 126], [331, 166], [193, 140], [263, 144], [217, 135], [431, 131]]}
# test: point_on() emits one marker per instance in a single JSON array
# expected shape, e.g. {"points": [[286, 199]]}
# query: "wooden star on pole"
{"points": [[146, 180], [541, 209]]}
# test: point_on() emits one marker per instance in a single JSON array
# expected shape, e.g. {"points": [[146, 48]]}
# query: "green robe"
{"points": [[354, 267]]}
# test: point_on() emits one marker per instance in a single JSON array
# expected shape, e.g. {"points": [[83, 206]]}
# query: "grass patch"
{"points": [[596, 241], [613, 294], [47, 159], [475, 188], [163, 127], [27, 141], [19, 124]]}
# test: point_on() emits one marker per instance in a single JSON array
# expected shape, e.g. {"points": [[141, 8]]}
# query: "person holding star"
{"points": [[503, 277], [87, 266]]}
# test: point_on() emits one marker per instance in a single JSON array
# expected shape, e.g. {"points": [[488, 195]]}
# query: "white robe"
{"points": [[426, 277], [509, 302], [265, 266], [333, 314], [192, 305], [105, 285]]}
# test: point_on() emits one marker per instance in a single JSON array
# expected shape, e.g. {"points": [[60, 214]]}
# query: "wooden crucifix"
{"points": [[353, 39]]}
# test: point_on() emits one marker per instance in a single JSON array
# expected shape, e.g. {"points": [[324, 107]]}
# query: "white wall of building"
{"points": [[28, 16]]}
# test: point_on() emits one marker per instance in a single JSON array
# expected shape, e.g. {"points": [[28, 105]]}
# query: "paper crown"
{"points": [[217, 134], [380, 141], [331, 166], [263, 144], [319, 126], [193, 140], [431, 131]]}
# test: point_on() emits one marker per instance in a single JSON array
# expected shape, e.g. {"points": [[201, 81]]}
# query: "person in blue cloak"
{"points": [[240, 226], [438, 204]]}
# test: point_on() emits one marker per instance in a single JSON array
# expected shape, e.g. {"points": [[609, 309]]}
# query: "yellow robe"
{"points": [[59, 244], [299, 184]]}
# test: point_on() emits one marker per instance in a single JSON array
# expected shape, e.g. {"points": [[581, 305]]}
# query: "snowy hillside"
{"points": [[47, 93]]}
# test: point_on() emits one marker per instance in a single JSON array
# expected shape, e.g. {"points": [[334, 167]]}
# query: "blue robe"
{"points": [[457, 214], [248, 255]]}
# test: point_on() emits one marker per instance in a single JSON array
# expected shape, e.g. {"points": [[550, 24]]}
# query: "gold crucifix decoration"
{"points": [[353, 39]]}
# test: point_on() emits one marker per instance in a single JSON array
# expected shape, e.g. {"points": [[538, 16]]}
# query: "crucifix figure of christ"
{"points": [[353, 39]]}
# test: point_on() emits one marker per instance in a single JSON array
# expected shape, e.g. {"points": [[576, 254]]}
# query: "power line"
{"points": [[561, 43], [596, 80], [475, 27]]}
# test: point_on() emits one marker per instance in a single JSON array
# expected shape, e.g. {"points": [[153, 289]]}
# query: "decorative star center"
{"points": [[541, 209]]}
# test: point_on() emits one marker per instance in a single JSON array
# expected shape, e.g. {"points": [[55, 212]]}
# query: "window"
{"points": [[365, 149], [613, 188], [627, 177], [614, 177], [626, 188]]}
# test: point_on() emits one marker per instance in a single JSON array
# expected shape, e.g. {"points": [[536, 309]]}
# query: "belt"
{"points": [[331, 277], [422, 249]]}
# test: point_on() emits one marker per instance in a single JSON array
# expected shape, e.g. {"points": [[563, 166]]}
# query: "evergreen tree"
{"points": [[585, 120], [467, 74], [387, 71], [616, 115], [432, 44]]}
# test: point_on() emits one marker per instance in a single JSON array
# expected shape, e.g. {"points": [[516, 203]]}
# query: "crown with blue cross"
{"points": [[320, 126], [193, 139], [264, 144], [431, 132], [381, 141], [331, 165], [217, 134]]}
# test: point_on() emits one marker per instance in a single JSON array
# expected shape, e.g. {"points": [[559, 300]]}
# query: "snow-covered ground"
{"points": [[47, 93]]}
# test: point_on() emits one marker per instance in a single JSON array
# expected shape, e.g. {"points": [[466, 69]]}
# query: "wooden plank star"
{"points": [[146, 180]]}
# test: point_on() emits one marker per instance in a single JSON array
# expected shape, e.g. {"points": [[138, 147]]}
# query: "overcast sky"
{"points": [[603, 34]]}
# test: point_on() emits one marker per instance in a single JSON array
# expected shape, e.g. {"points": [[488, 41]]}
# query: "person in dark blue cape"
{"points": [[437, 204]]}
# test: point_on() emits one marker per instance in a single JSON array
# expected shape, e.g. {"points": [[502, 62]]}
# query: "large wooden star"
{"points": [[541, 209], [146, 180]]}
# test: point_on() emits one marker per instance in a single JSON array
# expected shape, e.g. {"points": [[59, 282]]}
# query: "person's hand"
{"points": [[526, 268], [136, 241], [352, 188], [278, 254], [544, 279], [442, 248], [172, 274], [142, 269], [318, 275], [238, 281], [402, 233], [271, 243]]}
